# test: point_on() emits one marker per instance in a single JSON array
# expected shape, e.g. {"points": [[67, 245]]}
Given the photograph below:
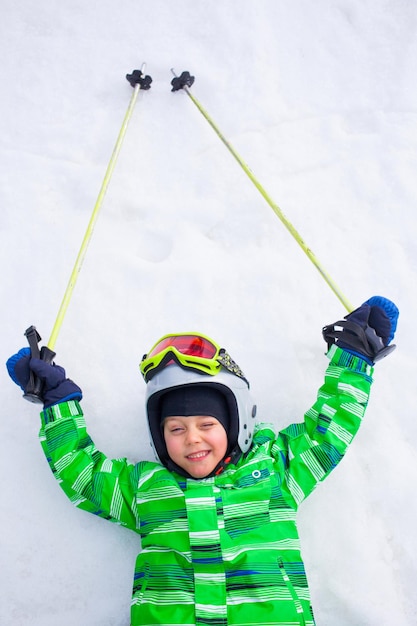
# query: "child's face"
{"points": [[196, 443]]}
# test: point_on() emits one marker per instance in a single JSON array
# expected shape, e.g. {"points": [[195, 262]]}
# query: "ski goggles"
{"points": [[190, 351]]}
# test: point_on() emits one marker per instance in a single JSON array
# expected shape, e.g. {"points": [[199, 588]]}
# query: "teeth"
{"points": [[197, 455]]}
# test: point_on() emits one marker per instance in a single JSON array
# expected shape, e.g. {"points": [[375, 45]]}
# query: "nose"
{"points": [[193, 435]]}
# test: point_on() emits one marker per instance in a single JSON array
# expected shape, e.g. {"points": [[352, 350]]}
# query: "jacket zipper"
{"points": [[290, 587], [145, 582]]}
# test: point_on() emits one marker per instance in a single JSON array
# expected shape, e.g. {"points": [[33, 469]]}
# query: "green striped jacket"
{"points": [[224, 550]]}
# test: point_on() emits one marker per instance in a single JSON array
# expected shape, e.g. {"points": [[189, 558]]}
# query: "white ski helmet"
{"points": [[235, 390]]}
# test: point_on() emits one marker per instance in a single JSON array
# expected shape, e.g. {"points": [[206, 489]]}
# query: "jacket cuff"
{"points": [[342, 358], [59, 411]]}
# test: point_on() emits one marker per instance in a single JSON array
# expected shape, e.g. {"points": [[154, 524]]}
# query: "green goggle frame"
{"points": [[190, 351]]}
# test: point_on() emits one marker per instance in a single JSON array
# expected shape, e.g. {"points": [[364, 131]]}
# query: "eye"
{"points": [[176, 429], [173, 428]]}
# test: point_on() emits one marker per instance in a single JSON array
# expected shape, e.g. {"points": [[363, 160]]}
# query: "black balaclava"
{"points": [[195, 400]]}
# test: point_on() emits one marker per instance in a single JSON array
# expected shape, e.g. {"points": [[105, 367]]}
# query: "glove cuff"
{"points": [[66, 390]]}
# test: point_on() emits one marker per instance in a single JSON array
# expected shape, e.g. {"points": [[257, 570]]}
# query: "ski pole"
{"points": [[184, 81], [33, 390], [138, 81]]}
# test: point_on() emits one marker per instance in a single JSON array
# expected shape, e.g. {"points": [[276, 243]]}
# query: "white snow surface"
{"points": [[320, 100]]}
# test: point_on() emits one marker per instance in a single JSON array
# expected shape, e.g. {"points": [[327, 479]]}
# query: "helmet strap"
{"points": [[230, 458]]}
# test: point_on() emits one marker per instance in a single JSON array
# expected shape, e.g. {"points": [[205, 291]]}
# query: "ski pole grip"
{"points": [[33, 391]]}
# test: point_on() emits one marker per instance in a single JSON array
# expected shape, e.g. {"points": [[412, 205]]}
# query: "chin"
{"points": [[202, 473]]}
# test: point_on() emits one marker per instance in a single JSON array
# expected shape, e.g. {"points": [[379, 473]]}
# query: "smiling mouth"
{"points": [[197, 456]]}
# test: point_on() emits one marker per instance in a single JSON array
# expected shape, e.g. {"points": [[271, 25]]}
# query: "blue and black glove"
{"points": [[56, 387], [367, 331]]}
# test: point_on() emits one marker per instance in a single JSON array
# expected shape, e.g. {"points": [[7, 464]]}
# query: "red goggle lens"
{"points": [[189, 345]]}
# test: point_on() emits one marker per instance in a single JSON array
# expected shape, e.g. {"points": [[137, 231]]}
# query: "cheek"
{"points": [[173, 445], [220, 441]]}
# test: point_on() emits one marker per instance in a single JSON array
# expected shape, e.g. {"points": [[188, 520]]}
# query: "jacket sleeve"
{"points": [[92, 482], [311, 450]]}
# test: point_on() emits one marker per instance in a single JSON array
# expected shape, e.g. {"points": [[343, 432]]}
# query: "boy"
{"points": [[217, 512]]}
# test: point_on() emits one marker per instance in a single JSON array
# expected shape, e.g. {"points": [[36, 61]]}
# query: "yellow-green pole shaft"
{"points": [[93, 219], [272, 204]]}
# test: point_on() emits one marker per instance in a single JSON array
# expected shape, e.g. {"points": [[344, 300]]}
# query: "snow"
{"points": [[320, 100]]}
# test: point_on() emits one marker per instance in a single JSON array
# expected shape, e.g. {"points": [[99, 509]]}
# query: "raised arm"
{"points": [[312, 449], [91, 481]]}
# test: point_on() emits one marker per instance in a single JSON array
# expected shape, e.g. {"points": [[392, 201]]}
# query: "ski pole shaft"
{"points": [[267, 197], [137, 82]]}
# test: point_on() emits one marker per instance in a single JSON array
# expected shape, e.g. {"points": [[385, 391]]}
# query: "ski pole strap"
{"points": [[33, 391], [362, 340]]}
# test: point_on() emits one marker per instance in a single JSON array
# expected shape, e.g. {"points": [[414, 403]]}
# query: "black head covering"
{"points": [[195, 400]]}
